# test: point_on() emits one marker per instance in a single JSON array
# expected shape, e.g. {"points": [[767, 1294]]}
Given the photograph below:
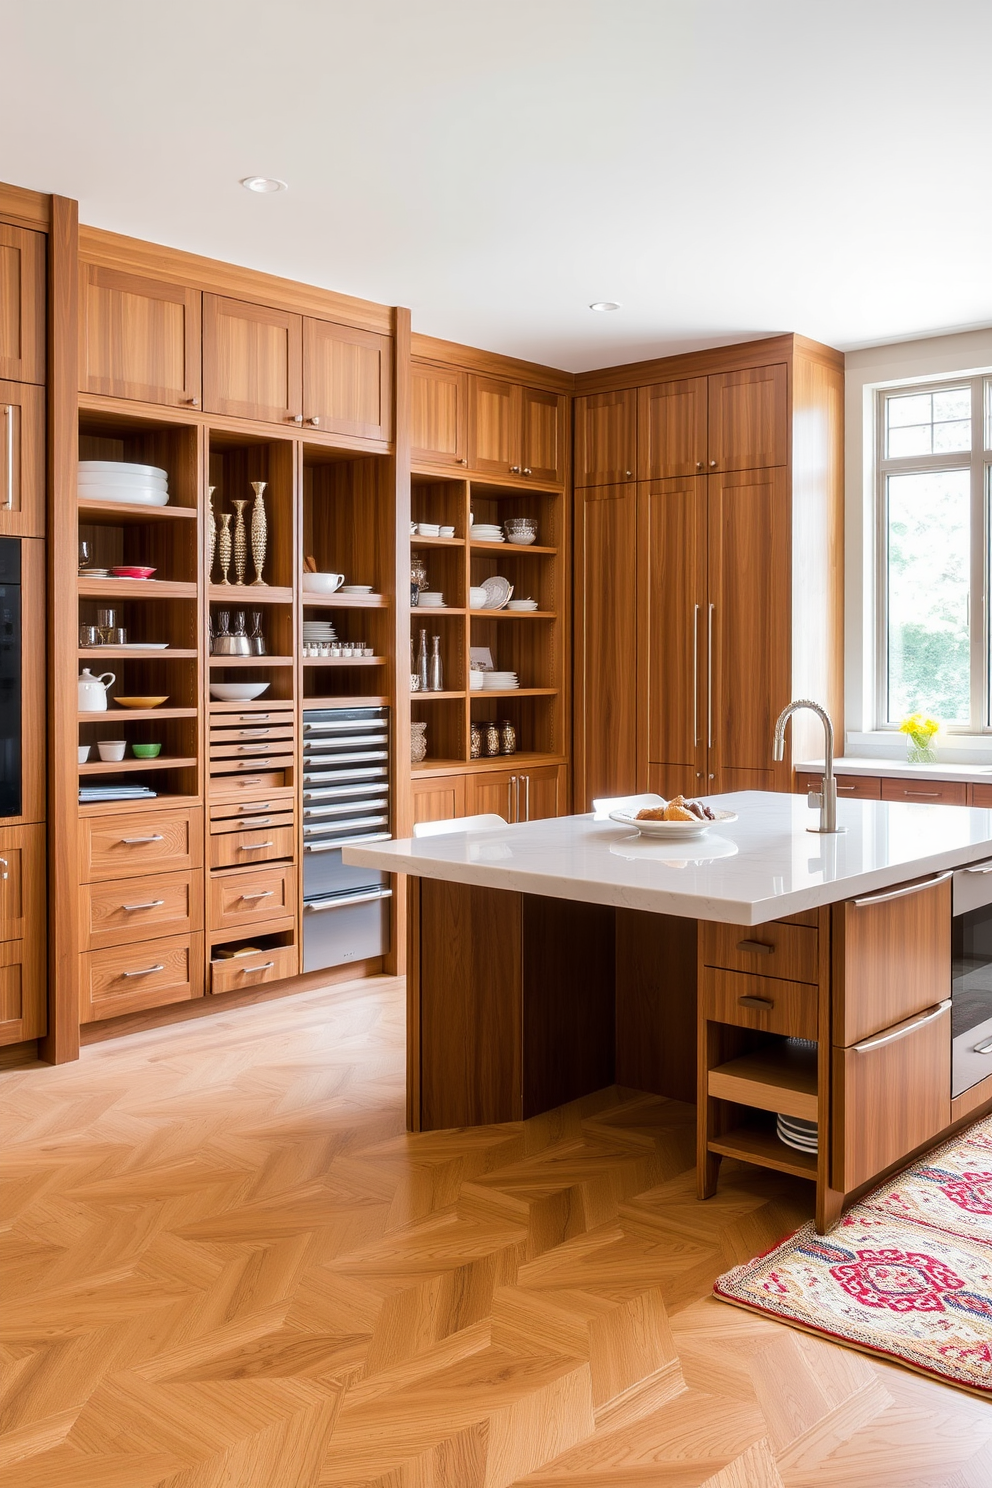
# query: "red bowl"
{"points": [[131, 571]]}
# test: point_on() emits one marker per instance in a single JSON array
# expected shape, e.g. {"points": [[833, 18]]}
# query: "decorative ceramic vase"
{"points": [[259, 531], [507, 737], [422, 662], [475, 742], [435, 672], [211, 532], [240, 543], [418, 743], [224, 546], [490, 741]]}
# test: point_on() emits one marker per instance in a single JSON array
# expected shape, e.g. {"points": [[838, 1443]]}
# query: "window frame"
{"points": [[978, 461]]}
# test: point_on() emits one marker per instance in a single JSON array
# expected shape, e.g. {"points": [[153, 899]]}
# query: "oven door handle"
{"points": [[910, 1026], [345, 901], [903, 893], [312, 847]]}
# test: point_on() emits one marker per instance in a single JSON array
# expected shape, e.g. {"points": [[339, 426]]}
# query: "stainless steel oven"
{"points": [[971, 976]]}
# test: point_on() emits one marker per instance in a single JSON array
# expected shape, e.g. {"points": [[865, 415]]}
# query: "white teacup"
{"points": [[84, 753], [322, 583], [112, 749]]}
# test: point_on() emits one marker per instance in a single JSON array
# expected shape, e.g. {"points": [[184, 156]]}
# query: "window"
{"points": [[934, 533]]}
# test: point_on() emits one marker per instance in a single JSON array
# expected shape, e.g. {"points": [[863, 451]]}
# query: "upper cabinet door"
{"points": [[671, 429], [493, 426], [605, 438], [22, 460], [544, 421], [347, 380], [438, 414], [749, 419], [252, 361], [22, 304], [138, 338]]}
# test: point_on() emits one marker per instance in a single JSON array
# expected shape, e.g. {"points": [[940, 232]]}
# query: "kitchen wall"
{"points": [[903, 361]]}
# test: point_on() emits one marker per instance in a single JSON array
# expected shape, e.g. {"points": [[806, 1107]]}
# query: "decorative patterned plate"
{"points": [[499, 592]]}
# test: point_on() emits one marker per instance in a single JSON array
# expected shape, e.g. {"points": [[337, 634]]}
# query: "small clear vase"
{"points": [[920, 754]]}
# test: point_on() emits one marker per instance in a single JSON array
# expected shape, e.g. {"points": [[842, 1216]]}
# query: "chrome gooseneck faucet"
{"points": [[826, 798]]}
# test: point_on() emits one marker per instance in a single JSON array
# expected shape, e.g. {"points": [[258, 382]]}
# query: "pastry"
{"points": [[651, 813]]}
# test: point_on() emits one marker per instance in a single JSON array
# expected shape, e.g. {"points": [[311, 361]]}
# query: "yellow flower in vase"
{"points": [[920, 731]]}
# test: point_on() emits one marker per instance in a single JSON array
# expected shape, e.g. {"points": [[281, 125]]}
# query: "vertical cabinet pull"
{"points": [[8, 418], [526, 798], [709, 678], [695, 674]]}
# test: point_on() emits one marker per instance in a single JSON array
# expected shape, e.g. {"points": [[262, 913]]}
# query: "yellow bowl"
{"points": [[141, 702]]}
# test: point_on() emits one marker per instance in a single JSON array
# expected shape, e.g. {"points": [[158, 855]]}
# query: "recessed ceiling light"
{"points": [[264, 184], [605, 305]]}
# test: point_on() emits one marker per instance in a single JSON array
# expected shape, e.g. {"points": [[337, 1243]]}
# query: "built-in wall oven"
{"points": [[345, 800], [971, 976]]}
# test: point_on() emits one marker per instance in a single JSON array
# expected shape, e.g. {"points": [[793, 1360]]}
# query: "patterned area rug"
{"points": [[906, 1274]]}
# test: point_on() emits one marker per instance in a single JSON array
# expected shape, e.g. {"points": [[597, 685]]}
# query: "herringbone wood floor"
{"points": [[227, 1265]]}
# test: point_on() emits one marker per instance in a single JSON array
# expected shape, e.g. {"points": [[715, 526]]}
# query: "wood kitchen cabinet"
{"points": [[516, 431], [347, 380], [605, 438], [22, 461], [252, 361], [22, 304], [748, 416], [526, 793], [438, 797], [671, 429], [438, 415], [606, 640], [23, 982], [139, 338]]}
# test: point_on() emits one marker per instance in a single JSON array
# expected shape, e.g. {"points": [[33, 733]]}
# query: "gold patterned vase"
{"points": [[259, 531], [211, 532], [240, 542], [224, 546]]}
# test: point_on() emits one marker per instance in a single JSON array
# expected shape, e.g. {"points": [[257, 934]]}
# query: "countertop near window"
{"points": [[890, 769], [764, 866]]}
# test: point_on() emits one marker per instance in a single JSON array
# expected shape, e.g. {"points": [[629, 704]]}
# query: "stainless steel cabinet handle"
{"points": [[261, 894], [514, 469], [8, 414], [845, 787], [155, 837], [628, 474], [254, 733], [150, 904], [145, 971], [255, 821], [755, 947], [899, 1032], [712, 464], [527, 470], [252, 748], [255, 846], [296, 418], [888, 894], [509, 798], [251, 717], [930, 795], [695, 674], [526, 798], [247, 970], [709, 677], [516, 798], [6, 866]]}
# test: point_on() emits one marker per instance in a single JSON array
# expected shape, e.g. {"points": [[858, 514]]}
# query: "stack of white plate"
{"points": [[802, 1135], [521, 604], [318, 630], [115, 480], [499, 681], [487, 532]]}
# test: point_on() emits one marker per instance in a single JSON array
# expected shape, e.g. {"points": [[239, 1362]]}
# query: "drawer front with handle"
{"points": [[250, 749], [856, 787], [247, 733], [127, 979], [243, 898], [891, 1093], [259, 844], [152, 842], [250, 820], [891, 956], [124, 910], [251, 766], [764, 1003], [262, 803], [241, 973], [926, 792], [254, 785], [774, 950]]}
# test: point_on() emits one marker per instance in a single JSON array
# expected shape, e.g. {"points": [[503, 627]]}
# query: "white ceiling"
{"points": [[724, 168]]}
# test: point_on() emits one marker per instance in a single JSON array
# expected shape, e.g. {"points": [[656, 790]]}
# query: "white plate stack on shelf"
{"points": [[521, 604], [487, 532], [116, 480], [796, 1133], [316, 631], [500, 681]]}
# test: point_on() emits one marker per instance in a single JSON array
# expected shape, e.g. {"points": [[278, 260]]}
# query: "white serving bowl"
{"points": [[112, 749], [476, 599], [237, 692], [522, 539], [322, 583], [121, 478], [120, 467]]}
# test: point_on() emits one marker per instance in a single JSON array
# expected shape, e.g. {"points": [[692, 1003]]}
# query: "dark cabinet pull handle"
{"points": [[755, 947], [758, 1002]]}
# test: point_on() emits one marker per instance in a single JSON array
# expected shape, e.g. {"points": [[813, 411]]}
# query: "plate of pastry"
{"points": [[676, 820]]}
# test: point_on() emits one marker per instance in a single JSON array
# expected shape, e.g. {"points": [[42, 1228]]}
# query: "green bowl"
{"points": [[146, 751]]}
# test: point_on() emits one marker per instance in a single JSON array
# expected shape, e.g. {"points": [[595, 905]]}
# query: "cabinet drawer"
{"points": [[246, 898], [891, 1093], [264, 804], [765, 1003], [926, 792], [788, 952], [128, 978], [244, 972], [248, 733], [252, 821], [266, 764], [256, 845], [152, 842], [126, 910], [981, 795], [230, 789], [856, 787], [250, 749]]}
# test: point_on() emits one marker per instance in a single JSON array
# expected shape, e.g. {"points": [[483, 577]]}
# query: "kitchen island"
{"points": [[550, 959]]}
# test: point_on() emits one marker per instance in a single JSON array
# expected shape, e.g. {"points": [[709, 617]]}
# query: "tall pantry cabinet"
{"points": [[708, 536]]}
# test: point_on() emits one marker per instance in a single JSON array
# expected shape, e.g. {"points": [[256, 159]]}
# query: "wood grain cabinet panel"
{"points": [[122, 911], [891, 1094], [138, 338], [23, 1001], [252, 361], [891, 957], [671, 429], [252, 845], [347, 380], [241, 973], [773, 950], [438, 414], [244, 898], [492, 791], [748, 418], [438, 797], [980, 795], [149, 842], [926, 792], [542, 792], [856, 787], [22, 304], [769, 1004], [493, 426], [22, 460], [22, 881], [148, 974], [605, 438], [543, 426]]}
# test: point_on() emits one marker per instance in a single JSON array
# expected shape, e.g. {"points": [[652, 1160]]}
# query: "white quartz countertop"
{"points": [[893, 769], [764, 866]]}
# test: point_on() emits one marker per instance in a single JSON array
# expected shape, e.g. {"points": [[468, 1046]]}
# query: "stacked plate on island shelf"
{"points": [[116, 480], [499, 681], [796, 1133]]}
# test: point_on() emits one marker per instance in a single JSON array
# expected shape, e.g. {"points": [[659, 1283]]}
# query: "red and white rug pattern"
{"points": [[906, 1274]]}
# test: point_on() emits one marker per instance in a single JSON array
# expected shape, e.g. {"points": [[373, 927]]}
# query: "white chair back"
{"points": [[484, 823], [606, 804]]}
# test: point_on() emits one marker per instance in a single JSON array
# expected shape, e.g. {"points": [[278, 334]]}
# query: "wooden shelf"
{"points": [[423, 697], [416, 541], [522, 759], [352, 700], [508, 547], [248, 595], [417, 613], [123, 713], [250, 661], [135, 589], [116, 767], [509, 692], [125, 514], [162, 802], [343, 661], [514, 614], [761, 1146], [345, 601], [145, 653], [777, 1077]]}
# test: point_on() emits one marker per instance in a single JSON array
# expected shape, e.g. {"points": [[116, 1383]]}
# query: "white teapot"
{"points": [[93, 691]]}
